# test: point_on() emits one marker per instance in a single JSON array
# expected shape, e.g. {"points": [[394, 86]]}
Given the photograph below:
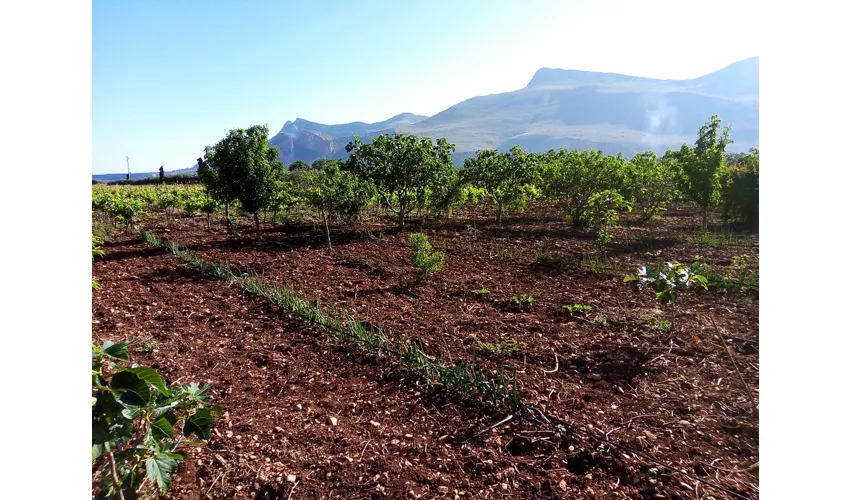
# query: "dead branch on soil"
{"points": [[754, 410]]}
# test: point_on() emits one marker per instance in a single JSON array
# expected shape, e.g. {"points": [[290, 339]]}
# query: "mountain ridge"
{"points": [[561, 108]]}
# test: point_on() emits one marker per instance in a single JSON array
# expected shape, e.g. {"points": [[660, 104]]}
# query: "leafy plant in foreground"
{"points": [[134, 418], [423, 259]]}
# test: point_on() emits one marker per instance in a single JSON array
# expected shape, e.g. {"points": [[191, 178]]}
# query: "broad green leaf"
{"points": [[151, 377], [163, 427], [159, 468], [129, 389], [131, 413], [199, 423], [116, 351]]}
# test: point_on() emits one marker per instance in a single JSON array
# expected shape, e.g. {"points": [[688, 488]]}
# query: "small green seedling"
{"points": [[521, 300], [576, 309], [481, 291], [600, 320], [504, 349]]}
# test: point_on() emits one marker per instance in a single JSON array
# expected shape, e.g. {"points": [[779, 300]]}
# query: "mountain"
{"points": [[308, 141], [565, 109], [560, 108]]}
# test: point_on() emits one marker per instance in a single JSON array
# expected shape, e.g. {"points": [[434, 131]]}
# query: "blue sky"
{"points": [[169, 78]]}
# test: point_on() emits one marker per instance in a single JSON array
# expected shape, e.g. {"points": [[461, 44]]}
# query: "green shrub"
{"points": [[423, 259], [134, 418]]}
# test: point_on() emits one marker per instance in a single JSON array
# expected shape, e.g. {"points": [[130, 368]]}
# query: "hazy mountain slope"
{"points": [[563, 108]]}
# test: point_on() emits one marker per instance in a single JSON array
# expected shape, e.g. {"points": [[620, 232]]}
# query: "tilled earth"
{"points": [[348, 426]]}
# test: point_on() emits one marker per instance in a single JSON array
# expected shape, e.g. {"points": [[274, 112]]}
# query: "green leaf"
{"points": [[163, 427], [151, 377], [116, 351], [159, 468], [130, 389], [199, 423]]}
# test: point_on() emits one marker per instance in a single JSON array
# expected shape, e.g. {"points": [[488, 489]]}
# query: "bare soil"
{"points": [[671, 394]]}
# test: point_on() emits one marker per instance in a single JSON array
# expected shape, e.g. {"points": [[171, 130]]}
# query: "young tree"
{"points": [[572, 178], [702, 165], [504, 176], [649, 182], [246, 168], [334, 192], [403, 168]]}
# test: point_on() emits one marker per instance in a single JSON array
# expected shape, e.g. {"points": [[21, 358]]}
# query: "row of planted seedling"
{"points": [[345, 328]]}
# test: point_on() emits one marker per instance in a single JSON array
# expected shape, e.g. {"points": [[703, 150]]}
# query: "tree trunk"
{"points": [[498, 211], [327, 230], [705, 218], [257, 224], [227, 211]]}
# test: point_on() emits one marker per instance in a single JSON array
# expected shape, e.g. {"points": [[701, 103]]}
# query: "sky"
{"points": [[169, 78]]}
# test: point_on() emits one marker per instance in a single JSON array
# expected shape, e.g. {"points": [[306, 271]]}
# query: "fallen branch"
{"points": [[754, 410]]}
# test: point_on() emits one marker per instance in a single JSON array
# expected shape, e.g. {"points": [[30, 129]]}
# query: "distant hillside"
{"points": [[142, 175], [308, 141], [559, 108], [565, 109]]}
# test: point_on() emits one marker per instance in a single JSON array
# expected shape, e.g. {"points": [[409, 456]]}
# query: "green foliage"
{"points": [[481, 291], [577, 309], [451, 193], [298, 165], [505, 349], [243, 167], [423, 259], [572, 178], [661, 326], [701, 166], [740, 188], [521, 300], [155, 180], [403, 169], [601, 215], [321, 162], [669, 279], [506, 177], [650, 183], [96, 251], [120, 205], [335, 193], [600, 320], [135, 415]]}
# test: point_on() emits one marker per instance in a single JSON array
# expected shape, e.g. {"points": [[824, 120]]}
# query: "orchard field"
{"points": [[516, 358]]}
